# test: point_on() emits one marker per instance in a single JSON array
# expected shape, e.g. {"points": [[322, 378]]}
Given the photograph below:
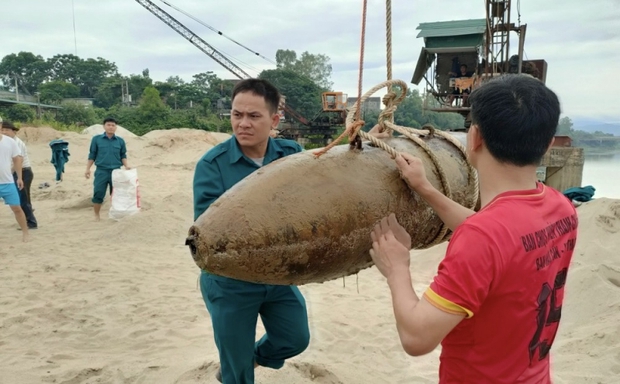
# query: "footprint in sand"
{"points": [[610, 221], [203, 374], [316, 373], [14, 320], [76, 203], [61, 356], [610, 274], [82, 376]]}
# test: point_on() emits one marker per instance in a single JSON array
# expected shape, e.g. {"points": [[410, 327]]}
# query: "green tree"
{"points": [[109, 92], [77, 114], [314, 66], [20, 112], [207, 107], [92, 72], [138, 83], [175, 81], [212, 86], [411, 113], [370, 119], [127, 117], [152, 112], [28, 69], [302, 94], [565, 126], [178, 94], [54, 92], [286, 59], [64, 68], [183, 118], [85, 74]]}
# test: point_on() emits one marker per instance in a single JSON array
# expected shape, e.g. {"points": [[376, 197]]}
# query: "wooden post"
{"points": [[564, 167]]}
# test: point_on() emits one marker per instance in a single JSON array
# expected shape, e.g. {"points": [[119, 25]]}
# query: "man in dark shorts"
{"points": [[11, 160], [108, 152], [10, 130]]}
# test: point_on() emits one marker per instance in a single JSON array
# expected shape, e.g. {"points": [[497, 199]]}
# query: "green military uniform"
{"points": [[108, 154], [234, 305]]}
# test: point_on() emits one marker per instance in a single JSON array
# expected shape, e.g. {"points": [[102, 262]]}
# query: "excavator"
{"points": [[320, 129]]}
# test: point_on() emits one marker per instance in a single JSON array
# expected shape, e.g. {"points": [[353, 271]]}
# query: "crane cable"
{"points": [[216, 31]]}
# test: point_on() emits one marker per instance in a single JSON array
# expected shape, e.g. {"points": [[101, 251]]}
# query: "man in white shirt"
{"points": [[10, 130], [10, 154]]}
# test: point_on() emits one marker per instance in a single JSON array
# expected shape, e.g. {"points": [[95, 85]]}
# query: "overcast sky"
{"points": [[580, 40]]}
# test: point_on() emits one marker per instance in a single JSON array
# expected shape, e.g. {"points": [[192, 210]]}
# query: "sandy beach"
{"points": [[118, 302]]}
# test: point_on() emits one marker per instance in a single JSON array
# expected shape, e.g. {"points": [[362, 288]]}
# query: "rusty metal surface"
{"points": [[303, 220]]}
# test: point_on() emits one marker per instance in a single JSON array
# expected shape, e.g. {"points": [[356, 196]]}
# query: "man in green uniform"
{"points": [[108, 152], [234, 305]]}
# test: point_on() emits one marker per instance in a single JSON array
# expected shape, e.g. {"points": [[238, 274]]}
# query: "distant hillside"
{"points": [[593, 125]]}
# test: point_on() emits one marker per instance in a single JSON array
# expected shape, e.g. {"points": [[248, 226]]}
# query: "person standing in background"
{"points": [[10, 130], [11, 156], [108, 152]]}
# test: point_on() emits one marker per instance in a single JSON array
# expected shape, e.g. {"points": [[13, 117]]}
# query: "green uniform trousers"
{"points": [[101, 182], [234, 307]]}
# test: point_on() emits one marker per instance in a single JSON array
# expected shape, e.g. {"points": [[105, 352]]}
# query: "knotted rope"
{"points": [[391, 101]]}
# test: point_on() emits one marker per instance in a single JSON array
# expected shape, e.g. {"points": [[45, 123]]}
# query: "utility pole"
{"points": [[38, 94], [125, 97]]}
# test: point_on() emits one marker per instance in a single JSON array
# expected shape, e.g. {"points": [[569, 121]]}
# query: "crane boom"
{"points": [[209, 50], [194, 39]]}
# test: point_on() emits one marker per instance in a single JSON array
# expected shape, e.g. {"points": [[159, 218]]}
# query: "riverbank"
{"points": [[597, 151]]}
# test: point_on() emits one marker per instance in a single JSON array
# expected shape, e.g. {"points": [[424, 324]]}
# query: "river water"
{"points": [[603, 173], [600, 171]]}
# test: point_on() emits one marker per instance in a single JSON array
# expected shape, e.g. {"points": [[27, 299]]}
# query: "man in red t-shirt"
{"points": [[496, 301]]}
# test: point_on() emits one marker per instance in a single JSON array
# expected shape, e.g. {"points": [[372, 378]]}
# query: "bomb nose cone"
{"points": [[191, 242]]}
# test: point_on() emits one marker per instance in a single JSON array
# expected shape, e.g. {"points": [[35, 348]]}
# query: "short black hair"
{"points": [[259, 87], [517, 116], [8, 125], [109, 120], [464, 65]]}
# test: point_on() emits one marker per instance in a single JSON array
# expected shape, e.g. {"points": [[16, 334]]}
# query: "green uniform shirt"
{"points": [[107, 153], [225, 165]]}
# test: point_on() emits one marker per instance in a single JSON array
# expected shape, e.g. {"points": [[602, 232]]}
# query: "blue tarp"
{"points": [[60, 155], [581, 194]]}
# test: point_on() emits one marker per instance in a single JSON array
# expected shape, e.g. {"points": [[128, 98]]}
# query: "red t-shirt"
{"points": [[506, 267]]}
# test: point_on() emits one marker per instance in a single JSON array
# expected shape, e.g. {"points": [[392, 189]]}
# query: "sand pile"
{"points": [[67, 195], [180, 148], [588, 343], [98, 129], [116, 302], [35, 135], [181, 137]]}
